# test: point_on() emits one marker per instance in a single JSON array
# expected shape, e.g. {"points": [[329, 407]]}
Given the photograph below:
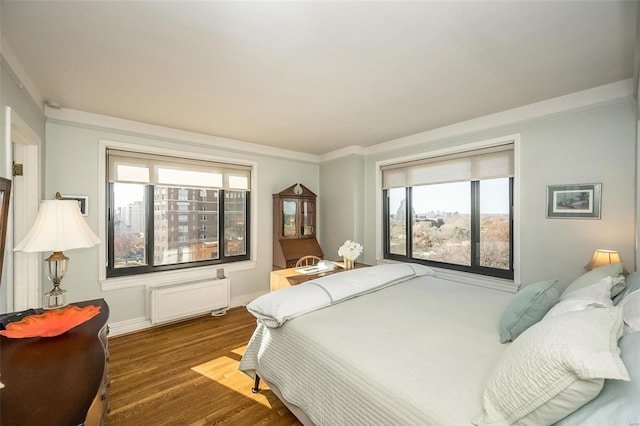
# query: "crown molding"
{"points": [[343, 152], [586, 98], [152, 130], [22, 78], [597, 95]]}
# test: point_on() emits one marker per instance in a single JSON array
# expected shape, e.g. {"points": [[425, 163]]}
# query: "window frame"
{"points": [[113, 272], [508, 285], [176, 276], [475, 267]]}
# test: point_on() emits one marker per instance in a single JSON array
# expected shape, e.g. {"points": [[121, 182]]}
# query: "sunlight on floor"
{"points": [[240, 350], [224, 370]]}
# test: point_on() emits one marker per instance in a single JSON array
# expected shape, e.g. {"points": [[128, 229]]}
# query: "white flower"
{"points": [[350, 250]]}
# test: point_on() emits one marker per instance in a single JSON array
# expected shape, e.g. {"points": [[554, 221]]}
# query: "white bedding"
{"points": [[275, 308], [416, 353]]}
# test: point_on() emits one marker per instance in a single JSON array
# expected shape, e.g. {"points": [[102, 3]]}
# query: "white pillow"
{"points": [[631, 311], [598, 294], [553, 368], [614, 270]]}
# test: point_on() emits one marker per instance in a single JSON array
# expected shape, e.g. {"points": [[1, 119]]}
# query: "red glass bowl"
{"points": [[50, 323]]}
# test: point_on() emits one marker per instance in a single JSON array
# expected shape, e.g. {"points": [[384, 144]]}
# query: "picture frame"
{"points": [[5, 194], [83, 202], [581, 201]]}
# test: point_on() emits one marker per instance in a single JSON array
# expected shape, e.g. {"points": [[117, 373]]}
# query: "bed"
{"points": [[405, 348]]}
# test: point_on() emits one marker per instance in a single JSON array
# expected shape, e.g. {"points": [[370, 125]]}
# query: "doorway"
{"points": [[24, 278]]}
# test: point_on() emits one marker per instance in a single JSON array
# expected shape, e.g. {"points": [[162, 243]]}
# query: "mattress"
{"points": [[415, 353]]}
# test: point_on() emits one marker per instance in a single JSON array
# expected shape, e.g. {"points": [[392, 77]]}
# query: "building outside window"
{"points": [[453, 211], [156, 228]]}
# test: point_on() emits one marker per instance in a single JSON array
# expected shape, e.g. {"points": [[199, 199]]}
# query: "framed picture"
{"points": [[83, 202], [574, 201]]}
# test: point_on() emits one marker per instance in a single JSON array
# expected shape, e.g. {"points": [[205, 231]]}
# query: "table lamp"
{"points": [[602, 258], [59, 226]]}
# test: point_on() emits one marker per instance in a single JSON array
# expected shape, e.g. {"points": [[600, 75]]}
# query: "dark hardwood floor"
{"points": [[186, 373]]}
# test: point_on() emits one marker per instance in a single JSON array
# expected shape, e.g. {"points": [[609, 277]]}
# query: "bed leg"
{"points": [[256, 385]]}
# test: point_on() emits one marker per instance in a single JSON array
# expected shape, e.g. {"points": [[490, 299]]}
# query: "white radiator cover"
{"points": [[174, 302]]}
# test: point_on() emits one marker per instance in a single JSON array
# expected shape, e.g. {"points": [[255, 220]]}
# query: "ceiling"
{"points": [[317, 76]]}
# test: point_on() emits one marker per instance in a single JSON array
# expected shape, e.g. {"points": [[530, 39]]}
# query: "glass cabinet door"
{"points": [[308, 216], [289, 211]]}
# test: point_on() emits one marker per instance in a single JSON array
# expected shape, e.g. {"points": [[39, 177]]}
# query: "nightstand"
{"points": [[62, 380]]}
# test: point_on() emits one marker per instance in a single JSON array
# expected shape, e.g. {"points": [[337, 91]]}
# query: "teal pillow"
{"points": [[633, 284], [527, 307], [617, 403]]}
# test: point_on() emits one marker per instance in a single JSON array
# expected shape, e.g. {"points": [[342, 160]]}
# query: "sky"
{"points": [[127, 193], [454, 197]]}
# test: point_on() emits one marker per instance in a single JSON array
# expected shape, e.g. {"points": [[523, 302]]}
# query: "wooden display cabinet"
{"points": [[294, 226]]}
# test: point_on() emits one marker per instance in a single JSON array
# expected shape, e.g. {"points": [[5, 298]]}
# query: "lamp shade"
{"points": [[59, 226], [603, 257]]}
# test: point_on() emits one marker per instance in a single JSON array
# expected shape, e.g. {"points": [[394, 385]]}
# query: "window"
{"points": [[152, 225], [453, 211]]}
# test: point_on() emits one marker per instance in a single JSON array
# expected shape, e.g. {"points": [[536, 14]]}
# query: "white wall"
{"points": [[341, 210], [72, 159], [636, 87], [595, 144]]}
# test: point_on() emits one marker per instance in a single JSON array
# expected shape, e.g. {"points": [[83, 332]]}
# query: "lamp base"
{"points": [[55, 299], [56, 268]]}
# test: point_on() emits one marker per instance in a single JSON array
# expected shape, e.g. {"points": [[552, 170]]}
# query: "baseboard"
{"points": [[245, 299], [128, 326]]}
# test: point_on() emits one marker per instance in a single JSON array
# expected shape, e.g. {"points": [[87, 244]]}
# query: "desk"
{"points": [[282, 278], [60, 380]]}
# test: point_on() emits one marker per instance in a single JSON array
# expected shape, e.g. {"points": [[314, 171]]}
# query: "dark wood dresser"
{"points": [[57, 381]]}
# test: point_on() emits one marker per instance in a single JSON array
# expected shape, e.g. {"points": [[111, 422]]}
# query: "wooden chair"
{"points": [[308, 261]]}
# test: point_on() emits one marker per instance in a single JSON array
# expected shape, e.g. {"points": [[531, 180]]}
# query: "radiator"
{"points": [[173, 302]]}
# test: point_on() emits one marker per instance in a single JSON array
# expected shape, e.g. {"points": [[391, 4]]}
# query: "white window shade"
{"points": [[486, 163], [132, 173], [135, 167], [182, 177]]}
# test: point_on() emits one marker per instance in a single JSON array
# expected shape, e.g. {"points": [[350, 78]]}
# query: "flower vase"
{"points": [[348, 263]]}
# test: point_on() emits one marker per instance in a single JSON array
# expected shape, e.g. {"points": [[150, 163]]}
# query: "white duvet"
{"points": [[415, 353]]}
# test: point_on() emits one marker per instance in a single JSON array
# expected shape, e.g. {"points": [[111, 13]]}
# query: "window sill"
{"points": [[173, 277], [501, 284], [477, 280]]}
